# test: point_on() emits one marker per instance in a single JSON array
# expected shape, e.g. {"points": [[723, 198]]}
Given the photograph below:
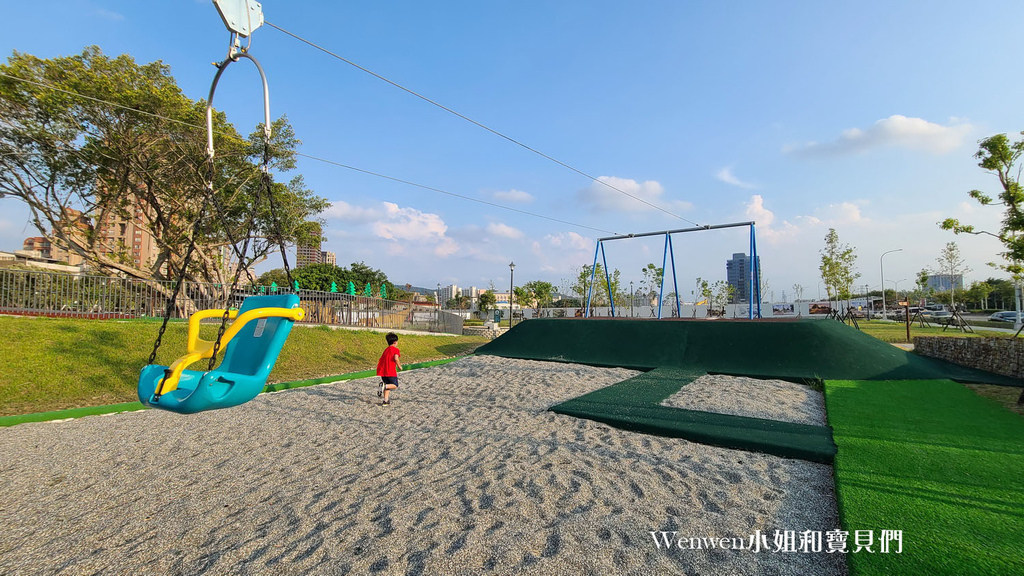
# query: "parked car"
{"points": [[1003, 317], [937, 316]]}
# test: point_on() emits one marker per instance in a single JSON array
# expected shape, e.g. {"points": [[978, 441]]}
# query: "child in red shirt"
{"points": [[388, 367]]}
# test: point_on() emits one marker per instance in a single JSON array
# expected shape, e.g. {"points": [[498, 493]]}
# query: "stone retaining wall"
{"points": [[491, 333], [1000, 355]]}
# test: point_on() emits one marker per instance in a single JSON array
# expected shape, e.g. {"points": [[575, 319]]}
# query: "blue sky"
{"points": [[798, 115]]}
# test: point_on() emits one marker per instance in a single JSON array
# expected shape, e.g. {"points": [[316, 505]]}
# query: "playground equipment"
{"points": [[262, 323], [251, 346], [753, 279]]}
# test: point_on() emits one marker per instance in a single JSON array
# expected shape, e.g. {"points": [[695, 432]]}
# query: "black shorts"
{"points": [[390, 380]]}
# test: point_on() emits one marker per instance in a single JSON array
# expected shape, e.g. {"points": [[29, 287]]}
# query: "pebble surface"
{"points": [[465, 473]]}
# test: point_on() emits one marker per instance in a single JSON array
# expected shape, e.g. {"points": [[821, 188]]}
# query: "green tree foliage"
{"points": [[999, 156], [837, 266], [977, 295], [320, 276], [60, 152], [651, 279], [952, 263], [539, 293], [721, 294], [486, 302], [600, 294]]}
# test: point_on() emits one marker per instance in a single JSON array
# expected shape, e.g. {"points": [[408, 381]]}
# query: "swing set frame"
{"points": [[753, 274]]}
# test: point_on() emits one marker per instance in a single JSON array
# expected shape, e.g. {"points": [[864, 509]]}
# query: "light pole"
{"points": [[819, 289], [896, 286], [631, 298], [511, 290], [881, 269]]}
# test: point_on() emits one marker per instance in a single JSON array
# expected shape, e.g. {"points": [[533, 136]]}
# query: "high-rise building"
{"points": [[737, 274], [448, 292], [50, 247], [471, 293], [945, 282], [328, 258], [309, 253], [127, 234]]}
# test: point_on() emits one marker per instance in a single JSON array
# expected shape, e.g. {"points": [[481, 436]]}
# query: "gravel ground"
{"points": [[465, 473], [742, 396]]}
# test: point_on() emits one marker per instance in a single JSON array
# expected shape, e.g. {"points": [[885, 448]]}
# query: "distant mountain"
{"points": [[417, 289]]}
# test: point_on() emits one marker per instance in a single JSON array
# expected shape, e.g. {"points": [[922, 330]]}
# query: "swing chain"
{"points": [[242, 264], [183, 270], [273, 215]]}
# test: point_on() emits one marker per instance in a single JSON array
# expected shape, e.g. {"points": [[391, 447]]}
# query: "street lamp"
{"points": [[631, 298], [896, 286], [511, 290], [881, 269], [437, 295]]}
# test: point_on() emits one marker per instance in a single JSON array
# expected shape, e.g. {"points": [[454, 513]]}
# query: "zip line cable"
{"points": [[318, 159], [440, 191], [471, 121]]}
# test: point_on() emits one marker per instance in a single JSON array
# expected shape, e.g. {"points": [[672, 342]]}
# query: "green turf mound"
{"points": [[936, 461], [634, 405], [681, 350], [792, 349]]}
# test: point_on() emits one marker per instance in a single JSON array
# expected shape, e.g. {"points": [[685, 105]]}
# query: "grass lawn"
{"points": [[936, 461], [897, 333], [53, 364]]}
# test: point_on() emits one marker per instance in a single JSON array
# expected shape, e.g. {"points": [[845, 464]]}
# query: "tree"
{"points": [[721, 294], [978, 293], [837, 266], [600, 294], [921, 280], [486, 302], [952, 264], [538, 292], [651, 280], [320, 276], [798, 290], [999, 156], [78, 162]]}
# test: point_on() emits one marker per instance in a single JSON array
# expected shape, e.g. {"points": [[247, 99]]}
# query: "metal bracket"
{"points": [[240, 16]]}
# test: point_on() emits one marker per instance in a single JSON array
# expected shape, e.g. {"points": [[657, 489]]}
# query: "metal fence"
{"points": [[42, 293]]}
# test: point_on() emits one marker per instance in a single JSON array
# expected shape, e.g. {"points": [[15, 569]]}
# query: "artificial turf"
{"points": [[932, 459], [635, 404]]}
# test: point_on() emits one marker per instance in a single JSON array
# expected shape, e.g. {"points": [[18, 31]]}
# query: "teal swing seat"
{"points": [[250, 345]]}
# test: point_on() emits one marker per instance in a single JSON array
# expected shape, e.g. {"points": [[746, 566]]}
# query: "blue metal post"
{"points": [[608, 280], [750, 277], [661, 289], [675, 279], [757, 269], [590, 286]]}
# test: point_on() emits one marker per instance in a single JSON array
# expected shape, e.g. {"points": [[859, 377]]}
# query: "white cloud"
{"points": [[843, 214], [569, 240], [341, 210], [415, 226], [447, 247], [765, 222], [726, 175], [603, 198], [513, 196], [894, 131], [559, 253], [504, 231]]}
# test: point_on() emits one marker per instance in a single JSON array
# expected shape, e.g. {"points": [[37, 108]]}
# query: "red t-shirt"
{"points": [[386, 365]]}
